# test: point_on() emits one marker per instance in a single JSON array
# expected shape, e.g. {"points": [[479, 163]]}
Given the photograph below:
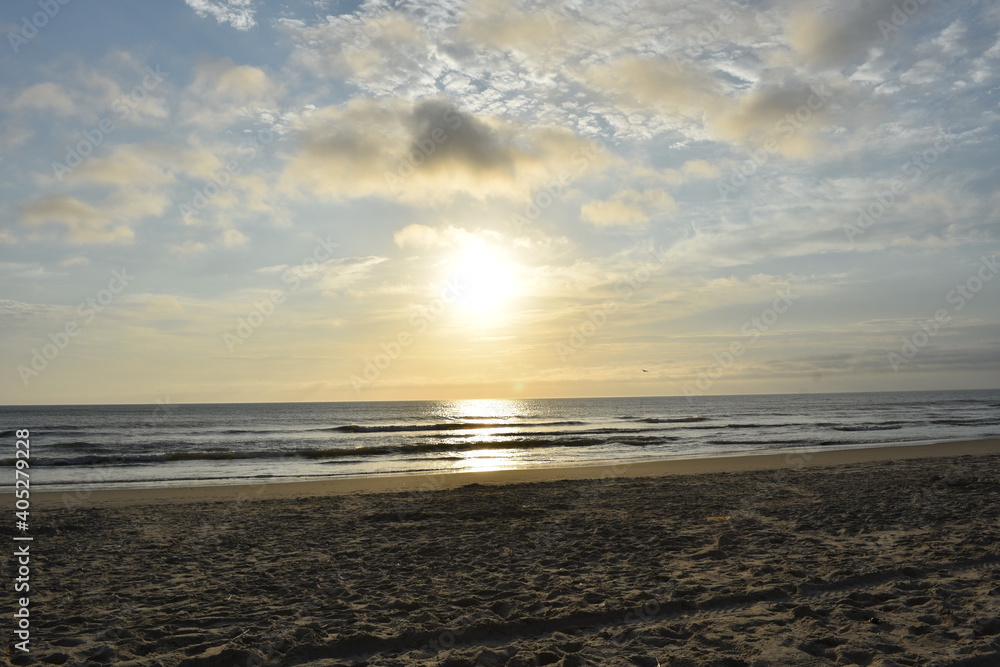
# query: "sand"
{"points": [[866, 557]]}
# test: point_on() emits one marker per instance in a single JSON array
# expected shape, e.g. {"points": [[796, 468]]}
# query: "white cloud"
{"points": [[339, 274], [83, 223], [234, 238], [76, 260], [237, 13], [224, 93], [45, 97], [628, 208], [21, 310], [111, 221], [127, 164]]}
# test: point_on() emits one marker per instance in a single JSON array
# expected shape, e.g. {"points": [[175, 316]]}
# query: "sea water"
{"points": [[113, 446]]}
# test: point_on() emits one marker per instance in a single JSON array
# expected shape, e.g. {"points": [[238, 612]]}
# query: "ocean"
{"points": [[137, 446]]}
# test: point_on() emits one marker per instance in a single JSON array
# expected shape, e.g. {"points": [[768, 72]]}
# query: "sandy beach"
{"points": [[885, 556]]}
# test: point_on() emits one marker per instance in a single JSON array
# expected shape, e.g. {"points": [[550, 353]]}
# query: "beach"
{"points": [[875, 556]]}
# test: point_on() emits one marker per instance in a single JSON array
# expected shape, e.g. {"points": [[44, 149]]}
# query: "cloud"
{"points": [[164, 304], [234, 238], [223, 93], [153, 165], [785, 113], [366, 46], [331, 276], [83, 223], [225, 82], [338, 274], [110, 222], [628, 208], [429, 151], [23, 270], [497, 24], [237, 13], [699, 169], [45, 97], [76, 260], [21, 310], [188, 249], [128, 164], [842, 34], [422, 236], [151, 172], [13, 136], [672, 87], [780, 107], [131, 205], [689, 171]]}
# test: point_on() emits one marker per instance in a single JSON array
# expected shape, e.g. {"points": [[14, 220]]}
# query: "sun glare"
{"points": [[485, 278], [487, 460], [484, 408]]}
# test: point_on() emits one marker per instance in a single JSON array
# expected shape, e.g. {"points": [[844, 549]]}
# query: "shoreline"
{"points": [[449, 480]]}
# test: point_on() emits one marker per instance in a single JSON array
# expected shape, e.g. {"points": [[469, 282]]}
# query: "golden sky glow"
{"points": [[240, 201]]}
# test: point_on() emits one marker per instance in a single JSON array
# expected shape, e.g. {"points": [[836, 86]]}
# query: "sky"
{"points": [[235, 200]]}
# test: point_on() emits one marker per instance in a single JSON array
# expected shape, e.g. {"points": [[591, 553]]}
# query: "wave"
{"points": [[243, 431], [756, 443], [325, 453], [447, 426], [876, 441], [81, 444], [672, 420], [548, 434], [786, 425], [44, 430], [980, 421], [479, 417], [885, 426]]}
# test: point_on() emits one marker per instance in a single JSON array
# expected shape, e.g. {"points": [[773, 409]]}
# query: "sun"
{"points": [[485, 279]]}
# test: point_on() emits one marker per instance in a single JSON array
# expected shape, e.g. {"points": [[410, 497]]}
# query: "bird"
{"points": [[644, 370]]}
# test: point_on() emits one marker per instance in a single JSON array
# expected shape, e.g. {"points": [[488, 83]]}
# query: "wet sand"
{"points": [[863, 557]]}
